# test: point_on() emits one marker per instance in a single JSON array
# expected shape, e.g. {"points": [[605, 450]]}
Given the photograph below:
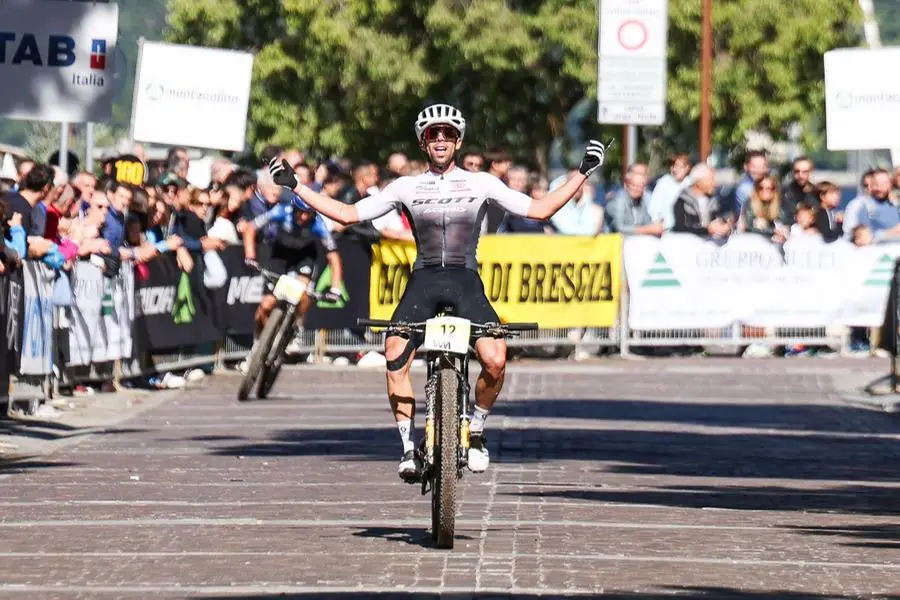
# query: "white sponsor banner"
{"points": [[861, 108], [631, 86], [191, 96], [101, 316], [56, 60], [37, 334], [683, 281]]}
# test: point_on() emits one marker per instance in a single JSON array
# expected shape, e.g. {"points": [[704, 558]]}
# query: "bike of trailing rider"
{"points": [[295, 250], [445, 207]]}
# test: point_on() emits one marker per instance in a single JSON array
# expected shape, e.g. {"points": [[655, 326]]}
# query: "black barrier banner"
{"points": [[356, 258], [173, 308], [4, 353], [238, 299]]}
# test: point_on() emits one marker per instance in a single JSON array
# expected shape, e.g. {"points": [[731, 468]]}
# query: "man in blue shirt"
{"points": [[755, 168], [878, 213]]}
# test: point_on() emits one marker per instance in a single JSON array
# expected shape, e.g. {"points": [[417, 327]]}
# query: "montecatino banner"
{"points": [[683, 281], [556, 281]]}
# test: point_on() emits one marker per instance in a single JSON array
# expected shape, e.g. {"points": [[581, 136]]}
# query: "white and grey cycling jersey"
{"points": [[445, 212]]}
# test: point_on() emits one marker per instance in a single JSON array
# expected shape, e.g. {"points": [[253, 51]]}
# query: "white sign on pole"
{"points": [[56, 64], [631, 86], [862, 98], [191, 96]]}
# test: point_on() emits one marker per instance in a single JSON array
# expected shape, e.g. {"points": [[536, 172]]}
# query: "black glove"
{"points": [[332, 295], [594, 155], [282, 173], [251, 262]]}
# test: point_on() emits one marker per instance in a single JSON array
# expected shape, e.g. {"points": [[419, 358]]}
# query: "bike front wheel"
{"points": [[259, 353], [272, 365], [443, 500]]}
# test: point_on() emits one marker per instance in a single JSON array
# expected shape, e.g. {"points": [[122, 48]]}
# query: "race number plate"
{"points": [[447, 334], [289, 289]]}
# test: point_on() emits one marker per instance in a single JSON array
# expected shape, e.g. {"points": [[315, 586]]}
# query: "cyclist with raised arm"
{"points": [[445, 207]]}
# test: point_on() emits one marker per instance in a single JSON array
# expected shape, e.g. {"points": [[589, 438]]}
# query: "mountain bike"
{"points": [[267, 355], [444, 450]]}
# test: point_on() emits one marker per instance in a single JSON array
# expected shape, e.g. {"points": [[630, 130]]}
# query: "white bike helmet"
{"points": [[440, 114]]}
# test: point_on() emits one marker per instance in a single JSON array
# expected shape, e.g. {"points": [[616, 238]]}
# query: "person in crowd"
{"points": [[764, 213], [472, 161], [862, 236], [805, 215], [697, 210], [828, 220], [627, 212], [801, 187], [22, 169], [518, 180], [365, 181], [178, 161], [85, 183], [756, 166], [304, 173], [220, 169], [397, 163], [877, 212], [27, 201], [667, 190], [854, 209], [580, 215]]}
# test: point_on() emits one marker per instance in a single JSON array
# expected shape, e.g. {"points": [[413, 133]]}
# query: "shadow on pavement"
{"points": [[414, 536], [884, 535], [26, 464], [761, 415], [639, 452], [856, 499], [665, 592]]}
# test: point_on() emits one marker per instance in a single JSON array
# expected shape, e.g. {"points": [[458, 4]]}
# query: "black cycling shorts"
{"points": [[431, 288], [290, 261]]}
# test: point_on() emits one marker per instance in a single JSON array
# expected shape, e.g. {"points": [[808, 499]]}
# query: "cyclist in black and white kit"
{"points": [[445, 207]]}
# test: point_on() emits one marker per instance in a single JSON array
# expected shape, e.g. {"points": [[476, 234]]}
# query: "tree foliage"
{"points": [[348, 76]]}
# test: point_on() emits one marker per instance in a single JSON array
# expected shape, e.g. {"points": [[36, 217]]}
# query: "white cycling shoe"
{"points": [[478, 458]]}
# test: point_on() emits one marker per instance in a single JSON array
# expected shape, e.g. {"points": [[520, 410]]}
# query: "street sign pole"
{"points": [[631, 88]]}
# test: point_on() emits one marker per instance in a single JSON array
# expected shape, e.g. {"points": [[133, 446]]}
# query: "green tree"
{"points": [[348, 77]]}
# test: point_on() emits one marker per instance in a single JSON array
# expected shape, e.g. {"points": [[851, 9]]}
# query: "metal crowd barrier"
{"points": [[557, 342]]}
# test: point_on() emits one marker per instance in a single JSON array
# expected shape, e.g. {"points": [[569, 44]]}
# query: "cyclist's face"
{"points": [[440, 143]]}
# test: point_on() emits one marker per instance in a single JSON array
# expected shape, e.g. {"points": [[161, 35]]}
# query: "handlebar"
{"points": [[419, 327]]}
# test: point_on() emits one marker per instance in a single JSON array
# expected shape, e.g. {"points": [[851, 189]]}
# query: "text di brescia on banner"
{"points": [[191, 96], [56, 60], [682, 281]]}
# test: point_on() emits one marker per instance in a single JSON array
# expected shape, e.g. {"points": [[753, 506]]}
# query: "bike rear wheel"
{"points": [[443, 500], [275, 357], [259, 352]]}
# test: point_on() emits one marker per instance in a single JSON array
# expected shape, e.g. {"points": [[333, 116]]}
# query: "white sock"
{"points": [[476, 421], [406, 428]]}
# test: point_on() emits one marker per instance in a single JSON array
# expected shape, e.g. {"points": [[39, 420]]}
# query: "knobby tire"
{"points": [[447, 455], [275, 358], [259, 352]]}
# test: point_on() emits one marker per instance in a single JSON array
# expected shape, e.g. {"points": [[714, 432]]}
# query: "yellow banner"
{"points": [[554, 280]]}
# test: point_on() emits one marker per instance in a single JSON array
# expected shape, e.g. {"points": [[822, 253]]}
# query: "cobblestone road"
{"points": [[707, 478]]}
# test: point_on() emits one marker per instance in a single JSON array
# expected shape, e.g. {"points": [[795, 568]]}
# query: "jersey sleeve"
{"points": [[509, 200], [321, 231], [276, 214], [381, 203]]}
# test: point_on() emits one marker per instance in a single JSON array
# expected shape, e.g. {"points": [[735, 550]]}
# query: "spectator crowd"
{"points": [[59, 218]]}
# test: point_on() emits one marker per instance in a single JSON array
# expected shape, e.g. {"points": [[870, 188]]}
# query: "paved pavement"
{"points": [[706, 478]]}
